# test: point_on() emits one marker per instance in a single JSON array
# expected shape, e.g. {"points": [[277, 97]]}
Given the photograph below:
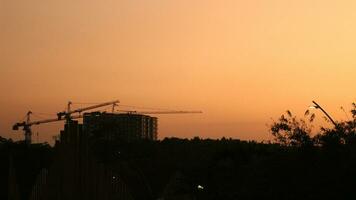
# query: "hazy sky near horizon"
{"points": [[241, 62]]}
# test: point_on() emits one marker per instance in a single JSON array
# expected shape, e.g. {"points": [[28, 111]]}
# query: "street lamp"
{"points": [[317, 106]]}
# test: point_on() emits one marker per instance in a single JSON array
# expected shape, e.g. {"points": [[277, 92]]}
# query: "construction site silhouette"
{"points": [[97, 162]]}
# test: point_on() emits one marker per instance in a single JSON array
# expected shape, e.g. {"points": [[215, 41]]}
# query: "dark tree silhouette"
{"points": [[290, 131]]}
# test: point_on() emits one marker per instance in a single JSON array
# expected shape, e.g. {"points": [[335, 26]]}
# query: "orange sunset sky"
{"points": [[240, 62]]}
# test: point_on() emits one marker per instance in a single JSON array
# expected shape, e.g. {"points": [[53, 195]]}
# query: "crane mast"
{"points": [[27, 129]]}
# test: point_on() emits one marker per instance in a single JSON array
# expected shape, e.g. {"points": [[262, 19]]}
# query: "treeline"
{"points": [[291, 131], [176, 167], [234, 169]]}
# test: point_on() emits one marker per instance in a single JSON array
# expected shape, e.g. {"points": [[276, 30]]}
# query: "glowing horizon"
{"points": [[239, 62]]}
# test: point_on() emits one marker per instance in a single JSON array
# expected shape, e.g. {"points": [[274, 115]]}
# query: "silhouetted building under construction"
{"points": [[113, 126]]}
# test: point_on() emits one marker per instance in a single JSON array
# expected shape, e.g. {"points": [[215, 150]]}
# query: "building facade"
{"points": [[120, 126]]}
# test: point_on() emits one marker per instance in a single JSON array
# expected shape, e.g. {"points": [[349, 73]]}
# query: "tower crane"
{"points": [[68, 116], [65, 115], [28, 123]]}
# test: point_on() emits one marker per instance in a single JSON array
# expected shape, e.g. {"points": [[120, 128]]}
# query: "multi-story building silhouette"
{"points": [[120, 126]]}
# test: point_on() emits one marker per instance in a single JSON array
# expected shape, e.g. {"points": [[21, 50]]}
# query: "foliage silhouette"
{"points": [[291, 131]]}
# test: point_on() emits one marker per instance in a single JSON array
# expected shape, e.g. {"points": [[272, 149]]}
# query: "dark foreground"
{"points": [[176, 169]]}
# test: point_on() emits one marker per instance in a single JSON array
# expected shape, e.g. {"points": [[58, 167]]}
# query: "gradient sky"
{"points": [[241, 62]]}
